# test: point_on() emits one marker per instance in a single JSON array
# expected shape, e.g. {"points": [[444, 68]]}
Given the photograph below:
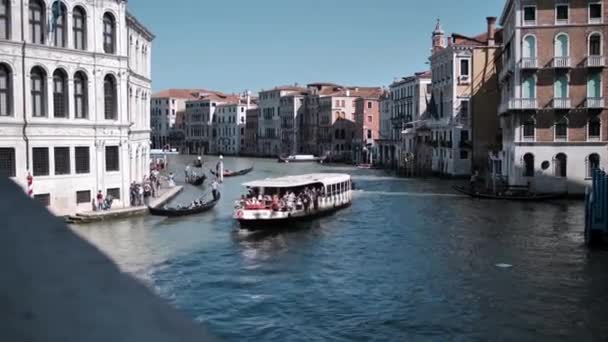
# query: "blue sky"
{"points": [[233, 45]]}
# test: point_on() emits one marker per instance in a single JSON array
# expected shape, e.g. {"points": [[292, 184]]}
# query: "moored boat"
{"points": [[279, 201], [196, 180], [301, 158], [515, 196]]}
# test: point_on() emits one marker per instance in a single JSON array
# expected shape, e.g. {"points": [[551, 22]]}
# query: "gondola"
{"points": [[234, 173], [196, 180], [197, 163], [522, 197], [176, 212]]}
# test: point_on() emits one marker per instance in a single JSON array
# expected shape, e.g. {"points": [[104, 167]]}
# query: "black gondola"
{"points": [[197, 163], [234, 173], [177, 212], [196, 180], [527, 197]]}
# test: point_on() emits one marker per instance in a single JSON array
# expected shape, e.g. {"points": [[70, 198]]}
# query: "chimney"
{"points": [[491, 31]]}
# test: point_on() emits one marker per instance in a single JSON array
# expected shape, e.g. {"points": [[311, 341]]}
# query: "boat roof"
{"points": [[300, 180]]}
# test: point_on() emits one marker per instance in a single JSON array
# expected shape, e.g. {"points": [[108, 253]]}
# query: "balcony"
{"points": [[595, 102], [562, 103], [561, 62], [595, 62], [518, 104], [528, 63]]}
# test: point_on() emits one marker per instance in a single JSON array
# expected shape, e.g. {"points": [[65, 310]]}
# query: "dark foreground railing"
{"points": [[596, 209], [54, 286]]}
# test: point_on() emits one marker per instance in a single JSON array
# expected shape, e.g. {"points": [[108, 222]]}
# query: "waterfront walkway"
{"points": [[165, 195]]}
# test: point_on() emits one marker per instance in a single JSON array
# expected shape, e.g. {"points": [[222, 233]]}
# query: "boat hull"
{"points": [[535, 198], [287, 222]]}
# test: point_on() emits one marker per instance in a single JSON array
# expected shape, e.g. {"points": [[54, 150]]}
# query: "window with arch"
{"points": [[529, 128], [529, 87], [38, 91], [59, 24], [109, 98], [595, 44], [80, 95], [60, 94], [594, 128], [36, 21], [561, 129], [594, 85], [529, 48], [528, 165], [593, 163], [561, 87], [561, 165], [5, 19], [109, 33], [79, 28], [562, 45], [6, 91]]}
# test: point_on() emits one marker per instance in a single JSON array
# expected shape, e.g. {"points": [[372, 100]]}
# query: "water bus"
{"points": [[280, 201]]}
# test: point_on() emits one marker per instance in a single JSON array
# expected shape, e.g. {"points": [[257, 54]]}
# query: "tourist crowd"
{"points": [[288, 201]]}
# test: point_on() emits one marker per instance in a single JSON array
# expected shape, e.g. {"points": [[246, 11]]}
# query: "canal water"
{"points": [[409, 260]]}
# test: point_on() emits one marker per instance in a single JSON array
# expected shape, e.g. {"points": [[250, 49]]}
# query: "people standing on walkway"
{"points": [[214, 189], [99, 200], [171, 180]]}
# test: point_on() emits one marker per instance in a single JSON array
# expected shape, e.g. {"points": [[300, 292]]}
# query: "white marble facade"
{"points": [[68, 93]]}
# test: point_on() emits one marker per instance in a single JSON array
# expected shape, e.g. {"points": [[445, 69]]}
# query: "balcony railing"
{"points": [[523, 104], [595, 102], [528, 63], [595, 61], [561, 62], [562, 103]]}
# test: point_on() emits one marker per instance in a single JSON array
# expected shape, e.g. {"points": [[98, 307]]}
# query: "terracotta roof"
{"points": [[478, 40], [191, 94], [285, 88]]}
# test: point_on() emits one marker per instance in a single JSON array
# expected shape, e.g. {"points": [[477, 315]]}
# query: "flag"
{"points": [[56, 12]]}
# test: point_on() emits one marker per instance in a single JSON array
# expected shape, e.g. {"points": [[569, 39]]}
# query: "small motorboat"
{"points": [[515, 196], [185, 211], [196, 180], [228, 173], [301, 159]]}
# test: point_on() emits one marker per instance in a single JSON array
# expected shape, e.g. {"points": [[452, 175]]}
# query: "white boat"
{"points": [[315, 195], [301, 158]]}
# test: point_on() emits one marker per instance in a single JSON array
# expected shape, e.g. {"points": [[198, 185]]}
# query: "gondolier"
{"points": [[214, 190]]}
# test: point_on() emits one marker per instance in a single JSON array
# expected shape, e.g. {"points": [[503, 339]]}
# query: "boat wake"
{"points": [[406, 194]]}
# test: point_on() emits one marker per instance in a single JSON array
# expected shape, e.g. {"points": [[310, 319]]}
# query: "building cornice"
{"points": [[132, 21]]}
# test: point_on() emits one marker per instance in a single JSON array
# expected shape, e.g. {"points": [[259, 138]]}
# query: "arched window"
{"points": [[79, 28], [529, 50], [561, 165], [594, 85], [561, 129], [59, 26], [109, 98], [595, 44], [6, 91], [60, 94], [38, 91], [561, 87], [81, 105], [529, 87], [594, 128], [529, 129], [529, 165], [593, 162], [337, 134], [37, 21], [342, 134], [5, 19], [109, 33], [562, 45]]}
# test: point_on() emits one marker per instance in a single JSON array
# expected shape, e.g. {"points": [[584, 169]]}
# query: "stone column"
{"points": [[49, 95], [70, 95]]}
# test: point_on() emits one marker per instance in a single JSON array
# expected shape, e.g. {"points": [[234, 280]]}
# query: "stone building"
{"points": [[74, 100]]}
